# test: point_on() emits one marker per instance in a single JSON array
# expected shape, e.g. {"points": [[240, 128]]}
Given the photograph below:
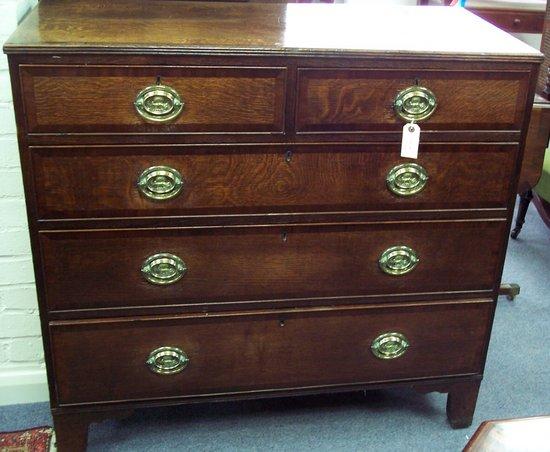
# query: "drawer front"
{"points": [[107, 361], [98, 182], [232, 264], [363, 100], [101, 99]]}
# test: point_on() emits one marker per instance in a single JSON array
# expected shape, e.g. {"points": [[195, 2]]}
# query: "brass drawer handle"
{"points": [[389, 345], [398, 260], [407, 179], [163, 269], [160, 183], [167, 360], [415, 103], [158, 103]]}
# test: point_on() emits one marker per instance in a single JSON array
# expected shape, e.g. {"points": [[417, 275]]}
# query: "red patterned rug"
{"points": [[38, 439]]}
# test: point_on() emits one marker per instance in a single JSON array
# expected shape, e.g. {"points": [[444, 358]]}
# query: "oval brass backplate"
{"points": [[407, 179], [398, 260], [158, 103], [390, 345], [415, 103], [167, 360], [163, 269], [160, 183]]}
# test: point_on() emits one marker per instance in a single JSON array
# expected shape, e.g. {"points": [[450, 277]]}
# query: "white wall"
{"points": [[22, 372]]}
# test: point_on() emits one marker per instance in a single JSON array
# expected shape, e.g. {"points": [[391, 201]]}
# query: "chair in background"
{"points": [[535, 175], [534, 181]]}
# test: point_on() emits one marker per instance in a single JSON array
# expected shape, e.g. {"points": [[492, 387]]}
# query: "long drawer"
{"points": [[348, 100], [94, 182], [153, 99], [192, 266], [148, 358]]}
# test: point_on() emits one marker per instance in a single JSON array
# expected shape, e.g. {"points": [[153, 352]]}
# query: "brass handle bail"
{"points": [[158, 103], [390, 345], [398, 260], [163, 269], [415, 103], [407, 179], [167, 360], [160, 183]]}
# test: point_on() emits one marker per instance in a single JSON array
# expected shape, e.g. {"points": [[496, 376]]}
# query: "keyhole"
{"points": [[158, 80], [288, 156], [281, 323], [284, 236]]}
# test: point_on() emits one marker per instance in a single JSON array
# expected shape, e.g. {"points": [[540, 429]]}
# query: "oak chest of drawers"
{"points": [[219, 208]]}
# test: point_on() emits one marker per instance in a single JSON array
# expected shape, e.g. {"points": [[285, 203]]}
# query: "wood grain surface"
{"points": [[94, 182], [101, 98], [105, 361], [101, 269], [536, 143], [361, 100], [244, 28], [509, 435]]}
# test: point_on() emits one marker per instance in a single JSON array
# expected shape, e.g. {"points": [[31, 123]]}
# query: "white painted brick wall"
{"points": [[18, 324], [11, 183], [14, 243], [9, 16], [7, 119], [9, 152], [13, 213], [20, 340], [19, 296], [5, 86], [24, 350]]}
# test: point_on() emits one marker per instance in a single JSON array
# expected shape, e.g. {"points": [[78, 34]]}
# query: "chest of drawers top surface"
{"points": [[69, 26]]}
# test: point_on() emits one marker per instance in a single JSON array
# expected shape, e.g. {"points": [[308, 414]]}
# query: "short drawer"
{"points": [[95, 182], [209, 265], [149, 358], [152, 99], [341, 100]]}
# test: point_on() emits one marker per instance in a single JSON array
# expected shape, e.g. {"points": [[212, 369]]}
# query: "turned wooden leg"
{"points": [[524, 200], [461, 403], [71, 432]]}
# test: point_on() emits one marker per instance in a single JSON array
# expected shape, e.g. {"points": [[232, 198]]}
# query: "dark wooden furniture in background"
{"points": [[511, 435], [543, 84], [538, 134], [512, 20], [535, 147], [218, 208]]}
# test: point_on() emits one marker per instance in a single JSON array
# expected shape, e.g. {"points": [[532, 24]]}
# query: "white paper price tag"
{"points": [[410, 141]]}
